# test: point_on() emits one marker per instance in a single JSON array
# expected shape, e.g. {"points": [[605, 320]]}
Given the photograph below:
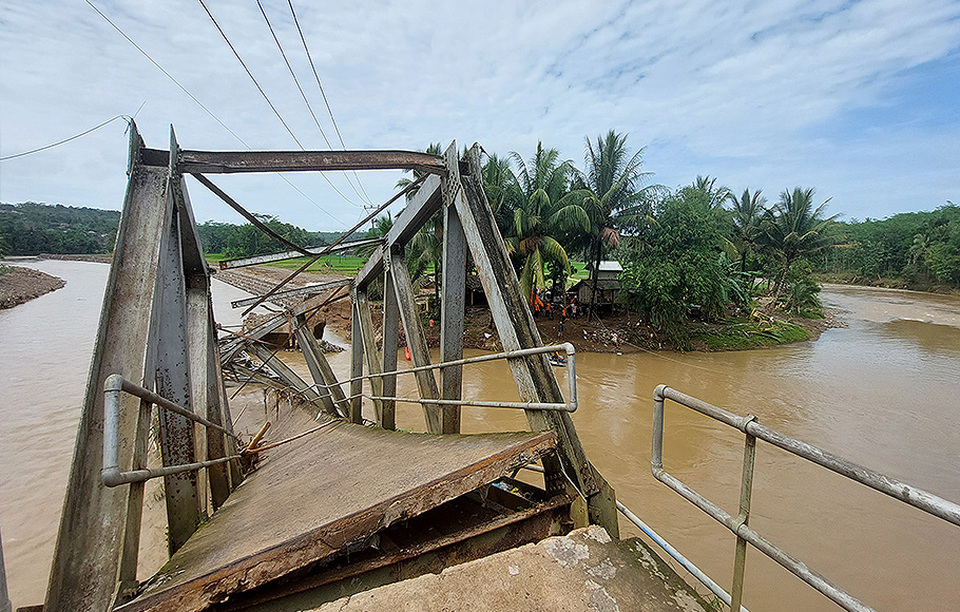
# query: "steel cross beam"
{"points": [[226, 162]]}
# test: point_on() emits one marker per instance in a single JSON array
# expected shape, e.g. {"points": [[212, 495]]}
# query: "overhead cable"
{"points": [[250, 74], [302, 94], [264, 94], [320, 86], [207, 110], [64, 141]]}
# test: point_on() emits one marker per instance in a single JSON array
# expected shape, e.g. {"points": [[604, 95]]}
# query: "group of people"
{"points": [[543, 305]]}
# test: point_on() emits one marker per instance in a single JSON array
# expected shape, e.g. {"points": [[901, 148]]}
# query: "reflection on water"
{"points": [[882, 392]]}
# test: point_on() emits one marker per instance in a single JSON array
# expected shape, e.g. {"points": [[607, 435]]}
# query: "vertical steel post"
{"points": [[90, 538], [454, 288], [219, 475], [517, 329], [172, 376], [416, 340], [356, 362], [743, 518], [391, 334], [370, 350]]}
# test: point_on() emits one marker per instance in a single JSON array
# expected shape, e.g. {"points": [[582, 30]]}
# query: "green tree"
{"points": [[613, 193], [544, 212], [796, 229], [502, 190], [677, 265], [748, 213], [712, 195]]}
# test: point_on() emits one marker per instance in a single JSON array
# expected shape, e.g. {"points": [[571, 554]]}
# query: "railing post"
{"points": [[130, 553], [743, 518]]}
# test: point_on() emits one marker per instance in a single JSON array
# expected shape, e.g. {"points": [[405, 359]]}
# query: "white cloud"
{"points": [[734, 88]]}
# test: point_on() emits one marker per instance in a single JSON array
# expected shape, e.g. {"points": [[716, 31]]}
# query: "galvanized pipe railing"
{"points": [[111, 474], [909, 494], [659, 540], [569, 406]]}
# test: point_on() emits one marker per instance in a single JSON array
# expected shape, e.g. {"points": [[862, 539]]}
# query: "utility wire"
{"points": [[205, 109], [304, 95], [167, 74], [250, 74], [320, 86], [264, 94], [65, 140]]}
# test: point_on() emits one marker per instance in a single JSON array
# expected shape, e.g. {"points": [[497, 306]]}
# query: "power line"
{"points": [[167, 74], [264, 94], [302, 94], [65, 140], [207, 110], [320, 86], [249, 74]]}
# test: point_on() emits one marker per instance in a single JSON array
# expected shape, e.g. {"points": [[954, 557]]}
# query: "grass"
{"points": [[738, 335], [579, 270], [347, 263], [327, 263]]}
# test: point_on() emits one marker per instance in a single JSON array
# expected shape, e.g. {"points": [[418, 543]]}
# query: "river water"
{"points": [[884, 392]]}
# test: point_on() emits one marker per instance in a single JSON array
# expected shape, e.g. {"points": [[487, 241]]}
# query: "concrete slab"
{"points": [[584, 571]]}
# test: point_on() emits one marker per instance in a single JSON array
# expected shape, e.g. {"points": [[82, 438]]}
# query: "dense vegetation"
{"points": [[698, 252], [915, 250], [30, 229], [246, 240]]}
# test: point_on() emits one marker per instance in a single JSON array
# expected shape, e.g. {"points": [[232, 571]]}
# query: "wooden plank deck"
{"points": [[324, 495]]}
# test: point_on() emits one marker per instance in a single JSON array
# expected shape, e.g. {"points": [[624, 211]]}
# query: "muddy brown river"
{"points": [[885, 392]]}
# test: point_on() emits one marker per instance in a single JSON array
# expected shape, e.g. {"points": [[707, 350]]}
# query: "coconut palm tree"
{"points": [[544, 211], [748, 213], [426, 246], [613, 193], [502, 190], [797, 229], [710, 194], [433, 148]]}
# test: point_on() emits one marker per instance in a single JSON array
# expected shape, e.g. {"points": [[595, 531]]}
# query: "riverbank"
{"points": [[19, 285], [614, 333], [855, 280]]}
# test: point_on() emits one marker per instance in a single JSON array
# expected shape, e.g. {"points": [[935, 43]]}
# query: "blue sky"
{"points": [[860, 100]]}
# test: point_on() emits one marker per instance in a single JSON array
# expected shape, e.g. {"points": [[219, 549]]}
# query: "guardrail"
{"points": [[111, 474], [754, 431]]}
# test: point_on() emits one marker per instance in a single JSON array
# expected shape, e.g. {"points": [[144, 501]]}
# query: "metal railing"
{"points": [[111, 474], [568, 406], [754, 431], [699, 574]]}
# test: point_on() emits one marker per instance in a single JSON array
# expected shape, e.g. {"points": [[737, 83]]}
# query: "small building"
{"points": [[608, 284]]}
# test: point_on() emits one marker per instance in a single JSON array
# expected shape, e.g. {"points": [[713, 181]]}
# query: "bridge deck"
{"points": [[324, 495]]}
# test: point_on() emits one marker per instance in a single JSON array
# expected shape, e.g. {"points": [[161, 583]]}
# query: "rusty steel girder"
{"points": [[224, 162]]}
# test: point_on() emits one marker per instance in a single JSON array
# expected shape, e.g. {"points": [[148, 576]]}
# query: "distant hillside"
{"points": [[29, 228]]}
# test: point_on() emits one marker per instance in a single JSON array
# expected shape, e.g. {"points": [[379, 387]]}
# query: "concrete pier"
{"points": [[584, 571]]}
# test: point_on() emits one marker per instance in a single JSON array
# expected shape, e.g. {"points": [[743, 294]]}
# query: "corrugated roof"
{"points": [[608, 266]]}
